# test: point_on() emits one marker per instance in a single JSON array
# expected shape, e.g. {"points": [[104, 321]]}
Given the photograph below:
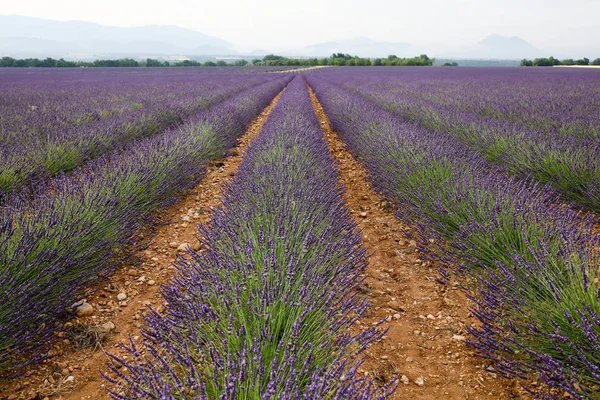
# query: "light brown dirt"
{"points": [[426, 319], [141, 283]]}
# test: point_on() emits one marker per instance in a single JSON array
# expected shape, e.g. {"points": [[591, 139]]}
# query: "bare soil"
{"points": [[426, 320], [74, 374]]}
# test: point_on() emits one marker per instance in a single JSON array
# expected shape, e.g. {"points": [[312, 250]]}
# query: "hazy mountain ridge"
{"points": [[33, 37], [100, 39]]}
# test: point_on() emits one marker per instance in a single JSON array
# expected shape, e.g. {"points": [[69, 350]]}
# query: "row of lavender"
{"points": [[544, 125], [264, 312], [557, 101], [49, 126], [532, 265], [54, 245]]}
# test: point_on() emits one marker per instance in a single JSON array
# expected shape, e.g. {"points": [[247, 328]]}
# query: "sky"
{"points": [[559, 25]]}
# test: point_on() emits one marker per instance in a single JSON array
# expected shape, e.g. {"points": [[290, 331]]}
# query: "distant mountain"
{"points": [[499, 47], [363, 47], [22, 37], [40, 36]]}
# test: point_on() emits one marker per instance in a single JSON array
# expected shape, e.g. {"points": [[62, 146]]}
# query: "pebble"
{"points": [[183, 247], [151, 282], [394, 305], [396, 316], [132, 272], [106, 327], [363, 214], [70, 378], [459, 338], [186, 218], [173, 245], [404, 379], [419, 381], [121, 296], [196, 245], [84, 310]]}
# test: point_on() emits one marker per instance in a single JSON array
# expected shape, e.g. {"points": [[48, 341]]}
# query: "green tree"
{"points": [[526, 63]]}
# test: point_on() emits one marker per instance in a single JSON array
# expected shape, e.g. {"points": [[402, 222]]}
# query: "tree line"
{"points": [[551, 61], [338, 59], [121, 62]]}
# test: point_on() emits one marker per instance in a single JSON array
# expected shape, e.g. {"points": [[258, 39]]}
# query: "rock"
{"points": [[183, 247], [460, 338], [394, 305], [155, 259], [186, 218], [84, 310], [121, 296], [363, 214], [404, 379], [419, 381], [70, 378], [106, 327], [396, 316], [151, 282], [196, 245], [173, 245], [409, 359], [384, 357], [132, 272]]}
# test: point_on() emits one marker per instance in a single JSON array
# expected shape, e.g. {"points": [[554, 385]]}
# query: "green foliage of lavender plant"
{"points": [[73, 233], [263, 313], [51, 127], [532, 263], [542, 125]]}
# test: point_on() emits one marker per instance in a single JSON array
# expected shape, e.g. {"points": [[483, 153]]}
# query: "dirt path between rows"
{"points": [[425, 342], [75, 374]]}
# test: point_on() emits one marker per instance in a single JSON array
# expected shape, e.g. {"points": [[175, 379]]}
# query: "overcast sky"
{"points": [[274, 24]]}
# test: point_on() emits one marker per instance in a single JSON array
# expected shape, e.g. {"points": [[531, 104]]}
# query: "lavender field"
{"points": [[496, 172]]}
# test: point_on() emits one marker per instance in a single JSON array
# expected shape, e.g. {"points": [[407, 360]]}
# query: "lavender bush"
{"points": [[265, 311], [53, 246], [533, 265], [49, 125], [541, 124]]}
